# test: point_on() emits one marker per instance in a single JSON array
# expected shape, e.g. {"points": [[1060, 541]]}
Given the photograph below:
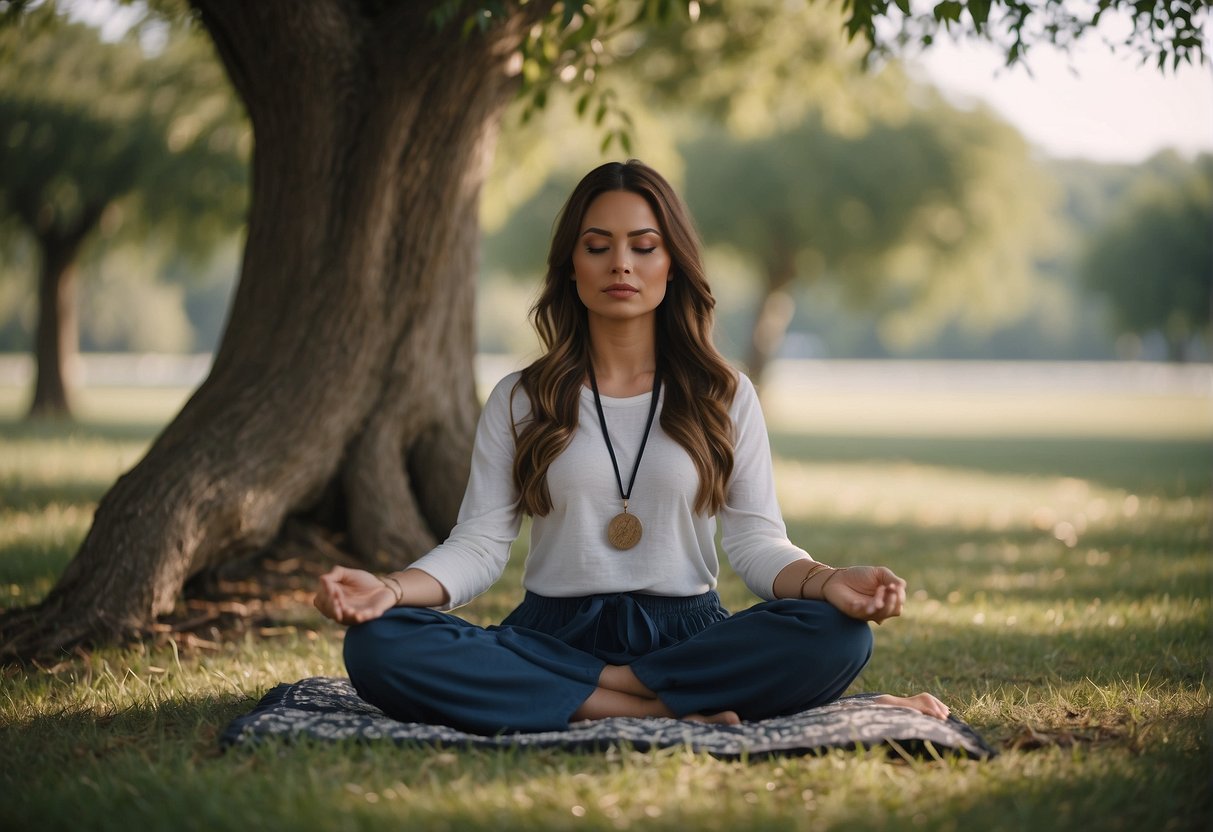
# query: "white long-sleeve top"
{"points": [[569, 554]]}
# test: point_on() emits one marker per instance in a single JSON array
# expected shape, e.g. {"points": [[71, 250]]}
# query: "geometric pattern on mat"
{"points": [[327, 708]]}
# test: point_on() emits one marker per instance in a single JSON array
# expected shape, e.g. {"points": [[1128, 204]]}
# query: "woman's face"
{"points": [[620, 262]]}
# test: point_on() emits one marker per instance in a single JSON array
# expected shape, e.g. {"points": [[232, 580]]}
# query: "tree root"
{"points": [[267, 596]]}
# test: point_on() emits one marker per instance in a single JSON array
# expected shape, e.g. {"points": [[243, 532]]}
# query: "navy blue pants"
{"points": [[535, 669]]}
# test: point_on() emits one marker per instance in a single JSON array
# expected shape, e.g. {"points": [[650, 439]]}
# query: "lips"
{"points": [[621, 290]]}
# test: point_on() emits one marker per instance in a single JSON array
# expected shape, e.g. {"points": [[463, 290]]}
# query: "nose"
{"points": [[622, 264]]}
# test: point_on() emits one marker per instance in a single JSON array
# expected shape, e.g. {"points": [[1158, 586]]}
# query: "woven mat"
{"points": [[325, 708]]}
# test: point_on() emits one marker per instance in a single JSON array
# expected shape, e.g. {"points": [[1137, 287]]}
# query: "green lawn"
{"points": [[1058, 554]]}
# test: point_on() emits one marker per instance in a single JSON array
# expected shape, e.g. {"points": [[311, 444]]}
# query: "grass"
{"points": [[1060, 593]]}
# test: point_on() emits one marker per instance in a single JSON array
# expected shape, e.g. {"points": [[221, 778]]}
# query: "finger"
{"points": [[888, 576], [894, 599], [899, 587], [875, 601]]}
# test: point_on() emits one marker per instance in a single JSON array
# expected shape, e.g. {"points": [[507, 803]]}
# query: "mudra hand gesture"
{"points": [[352, 596], [869, 593]]}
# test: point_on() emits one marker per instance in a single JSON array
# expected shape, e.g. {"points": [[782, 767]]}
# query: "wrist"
{"points": [[392, 583], [814, 580], [821, 590]]}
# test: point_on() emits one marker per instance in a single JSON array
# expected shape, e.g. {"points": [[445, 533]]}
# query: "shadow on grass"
{"points": [[1153, 466], [1171, 652]]}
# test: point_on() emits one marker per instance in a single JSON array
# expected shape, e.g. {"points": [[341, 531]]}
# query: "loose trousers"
{"points": [[533, 671]]}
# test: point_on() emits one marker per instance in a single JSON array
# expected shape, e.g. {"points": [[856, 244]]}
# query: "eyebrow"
{"points": [[604, 233]]}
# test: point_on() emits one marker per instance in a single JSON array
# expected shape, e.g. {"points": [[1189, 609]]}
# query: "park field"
{"points": [[1056, 543]]}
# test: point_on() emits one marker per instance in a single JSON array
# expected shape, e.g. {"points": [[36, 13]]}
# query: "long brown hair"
{"points": [[699, 384]]}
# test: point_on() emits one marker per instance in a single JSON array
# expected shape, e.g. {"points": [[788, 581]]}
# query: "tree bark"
{"points": [[347, 358], [57, 339], [775, 311]]}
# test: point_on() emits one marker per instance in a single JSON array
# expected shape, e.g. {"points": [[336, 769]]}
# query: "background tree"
{"points": [[911, 213], [99, 135], [1153, 259], [345, 372]]}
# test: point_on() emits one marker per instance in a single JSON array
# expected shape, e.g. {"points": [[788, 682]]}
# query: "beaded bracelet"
{"points": [[813, 570], [398, 590]]}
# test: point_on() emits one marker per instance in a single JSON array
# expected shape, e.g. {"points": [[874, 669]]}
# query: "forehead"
{"points": [[619, 211]]}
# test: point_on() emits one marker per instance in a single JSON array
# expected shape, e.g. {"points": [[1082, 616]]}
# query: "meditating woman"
{"points": [[625, 442]]}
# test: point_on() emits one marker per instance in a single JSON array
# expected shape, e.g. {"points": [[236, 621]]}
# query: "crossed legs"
{"points": [[620, 693]]}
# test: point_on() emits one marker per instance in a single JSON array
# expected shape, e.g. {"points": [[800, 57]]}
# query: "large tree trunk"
{"points": [[346, 364], [56, 342]]}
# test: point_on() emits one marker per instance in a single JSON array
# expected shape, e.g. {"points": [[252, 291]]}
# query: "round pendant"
{"points": [[624, 530]]}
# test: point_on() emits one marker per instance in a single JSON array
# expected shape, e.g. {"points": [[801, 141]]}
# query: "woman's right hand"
{"points": [[352, 596]]}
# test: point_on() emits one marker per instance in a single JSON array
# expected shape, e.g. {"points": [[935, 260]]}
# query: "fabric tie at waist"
{"points": [[618, 627], [614, 627]]}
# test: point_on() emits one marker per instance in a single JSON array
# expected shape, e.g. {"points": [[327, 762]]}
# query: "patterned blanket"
{"points": [[327, 708]]}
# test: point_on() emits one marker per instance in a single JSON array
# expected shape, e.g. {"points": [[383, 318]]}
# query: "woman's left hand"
{"points": [[869, 593]]}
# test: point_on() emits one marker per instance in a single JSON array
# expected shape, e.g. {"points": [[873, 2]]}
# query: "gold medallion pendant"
{"points": [[624, 530]]}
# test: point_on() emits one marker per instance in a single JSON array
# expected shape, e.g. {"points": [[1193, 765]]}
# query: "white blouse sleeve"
{"points": [[478, 548], [752, 530]]}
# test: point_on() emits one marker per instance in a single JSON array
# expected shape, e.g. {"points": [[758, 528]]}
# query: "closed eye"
{"points": [[648, 250], [596, 249]]}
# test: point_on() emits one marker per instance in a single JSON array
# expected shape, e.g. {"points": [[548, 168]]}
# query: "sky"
{"points": [[1092, 103]]}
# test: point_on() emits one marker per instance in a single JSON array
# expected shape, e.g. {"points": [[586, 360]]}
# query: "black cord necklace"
{"points": [[624, 530]]}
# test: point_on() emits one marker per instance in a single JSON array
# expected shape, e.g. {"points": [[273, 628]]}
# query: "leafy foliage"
{"points": [[1164, 32], [86, 123], [1154, 258], [925, 216]]}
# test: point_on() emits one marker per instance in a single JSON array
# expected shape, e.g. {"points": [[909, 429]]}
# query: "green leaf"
{"points": [[979, 10], [606, 141], [948, 10]]}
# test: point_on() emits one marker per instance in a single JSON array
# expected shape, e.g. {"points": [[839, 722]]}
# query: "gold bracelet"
{"points": [[398, 591], [813, 570], [827, 580]]}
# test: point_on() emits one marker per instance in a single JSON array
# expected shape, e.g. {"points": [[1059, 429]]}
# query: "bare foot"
{"points": [[722, 718], [924, 703]]}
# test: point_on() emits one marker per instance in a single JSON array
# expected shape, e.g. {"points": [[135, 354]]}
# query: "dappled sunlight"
{"points": [[152, 676], [35, 545], [928, 496], [77, 465]]}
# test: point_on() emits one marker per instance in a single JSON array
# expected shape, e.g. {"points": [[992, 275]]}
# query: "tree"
{"points": [[911, 206], [1153, 259], [345, 371], [95, 132]]}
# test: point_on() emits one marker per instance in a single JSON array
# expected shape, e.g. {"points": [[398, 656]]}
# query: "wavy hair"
{"points": [[698, 383]]}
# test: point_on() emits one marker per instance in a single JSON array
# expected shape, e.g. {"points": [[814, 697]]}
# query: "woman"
{"points": [[620, 616]]}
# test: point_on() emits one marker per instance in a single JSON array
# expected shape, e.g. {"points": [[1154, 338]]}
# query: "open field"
{"points": [[1057, 548]]}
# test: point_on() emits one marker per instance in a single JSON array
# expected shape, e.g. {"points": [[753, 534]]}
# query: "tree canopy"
{"points": [[101, 136]]}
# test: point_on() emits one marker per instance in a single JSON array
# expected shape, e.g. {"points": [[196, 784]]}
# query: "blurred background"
{"points": [[932, 207]]}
